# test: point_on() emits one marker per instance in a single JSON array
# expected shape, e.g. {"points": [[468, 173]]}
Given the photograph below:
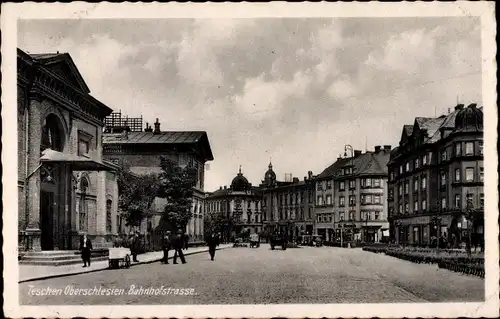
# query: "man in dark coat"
{"points": [[177, 244], [134, 246], [166, 246], [212, 243], [86, 249]]}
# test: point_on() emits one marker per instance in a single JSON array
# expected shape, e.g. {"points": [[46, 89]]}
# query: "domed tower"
{"points": [[469, 119], [270, 176], [240, 183]]}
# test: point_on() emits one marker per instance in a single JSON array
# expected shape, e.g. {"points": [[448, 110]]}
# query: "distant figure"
{"points": [[86, 249], [118, 242], [166, 246], [177, 244], [134, 246], [212, 243], [186, 241]]}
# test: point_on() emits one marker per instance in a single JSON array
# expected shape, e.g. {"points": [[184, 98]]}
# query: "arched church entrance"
{"points": [[51, 188]]}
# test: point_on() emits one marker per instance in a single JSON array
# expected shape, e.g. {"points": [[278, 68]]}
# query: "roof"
{"points": [[166, 137], [54, 62], [77, 163], [369, 163], [333, 169], [199, 138]]}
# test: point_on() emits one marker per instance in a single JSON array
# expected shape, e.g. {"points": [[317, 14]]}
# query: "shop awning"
{"points": [[77, 163]]}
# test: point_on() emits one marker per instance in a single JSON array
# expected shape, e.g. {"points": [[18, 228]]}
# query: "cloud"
{"points": [[261, 98], [342, 88], [295, 90]]}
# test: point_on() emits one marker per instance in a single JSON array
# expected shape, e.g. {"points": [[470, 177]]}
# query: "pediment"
{"points": [[63, 66]]}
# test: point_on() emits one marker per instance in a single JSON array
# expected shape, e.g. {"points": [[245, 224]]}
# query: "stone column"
{"points": [[100, 230], [194, 219], [33, 135]]}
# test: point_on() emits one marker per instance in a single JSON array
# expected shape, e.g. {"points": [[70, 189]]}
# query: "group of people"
{"points": [[179, 241], [176, 242]]}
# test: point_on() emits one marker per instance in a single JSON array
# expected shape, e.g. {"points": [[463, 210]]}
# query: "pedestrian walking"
{"points": [[86, 249], [212, 243], [134, 246], [166, 246], [177, 244]]}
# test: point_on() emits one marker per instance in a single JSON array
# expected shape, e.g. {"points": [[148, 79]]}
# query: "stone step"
{"points": [[49, 253], [64, 262], [51, 257]]}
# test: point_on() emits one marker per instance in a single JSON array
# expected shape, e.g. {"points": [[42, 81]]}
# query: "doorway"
{"points": [[47, 220]]}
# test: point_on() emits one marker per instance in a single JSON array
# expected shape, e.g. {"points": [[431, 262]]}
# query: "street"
{"points": [[262, 276]]}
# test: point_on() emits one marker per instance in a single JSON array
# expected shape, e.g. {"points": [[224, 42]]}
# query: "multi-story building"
{"points": [[240, 203], [63, 189], [436, 175], [324, 197], [288, 205], [351, 197], [141, 149]]}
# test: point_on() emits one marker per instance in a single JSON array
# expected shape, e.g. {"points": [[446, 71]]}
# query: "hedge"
{"points": [[446, 258]]}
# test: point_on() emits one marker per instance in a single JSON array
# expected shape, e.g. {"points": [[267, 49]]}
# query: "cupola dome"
{"points": [[270, 176], [469, 119], [240, 183]]}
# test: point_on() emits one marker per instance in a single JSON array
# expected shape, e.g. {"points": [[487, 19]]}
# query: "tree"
{"points": [[136, 194], [218, 223], [176, 186], [472, 215]]}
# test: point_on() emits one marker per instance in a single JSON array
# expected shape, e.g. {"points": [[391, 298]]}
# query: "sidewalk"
{"points": [[33, 272]]}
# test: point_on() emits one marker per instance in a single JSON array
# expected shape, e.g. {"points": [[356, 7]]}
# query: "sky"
{"points": [[290, 90]]}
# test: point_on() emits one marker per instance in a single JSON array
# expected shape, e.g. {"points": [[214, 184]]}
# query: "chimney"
{"points": [[357, 153], [305, 178], [295, 180], [472, 106], [387, 148], [459, 107], [157, 127], [225, 187], [148, 128], [220, 188], [377, 148], [309, 174]]}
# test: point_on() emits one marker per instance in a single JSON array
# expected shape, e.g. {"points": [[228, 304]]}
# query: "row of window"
{"points": [[469, 177], [444, 156], [217, 205], [422, 206], [365, 183], [366, 199]]}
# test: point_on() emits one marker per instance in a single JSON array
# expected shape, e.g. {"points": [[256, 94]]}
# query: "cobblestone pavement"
{"points": [[245, 275]]}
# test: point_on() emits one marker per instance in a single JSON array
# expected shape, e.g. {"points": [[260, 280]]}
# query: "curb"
{"points": [[101, 269]]}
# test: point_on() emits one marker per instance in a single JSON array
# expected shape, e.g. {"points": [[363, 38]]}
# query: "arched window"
{"points": [[109, 204], [52, 135], [83, 205]]}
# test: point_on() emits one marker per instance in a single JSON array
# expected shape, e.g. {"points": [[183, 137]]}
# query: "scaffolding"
{"points": [[117, 122]]}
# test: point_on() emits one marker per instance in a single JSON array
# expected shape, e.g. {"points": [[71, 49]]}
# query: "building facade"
{"points": [[436, 177], [62, 180], [241, 203], [351, 197], [288, 205], [125, 139]]}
